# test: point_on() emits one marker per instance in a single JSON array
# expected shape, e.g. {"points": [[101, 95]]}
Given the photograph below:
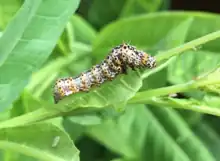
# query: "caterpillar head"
{"points": [[146, 59], [135, 57], [150, 61]]}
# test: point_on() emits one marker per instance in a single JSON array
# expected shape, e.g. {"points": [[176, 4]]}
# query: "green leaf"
{"points": [[110, 93], [175, 36], [40, 81], [191, 118], [95, 117], [185, 138], [7, 11], [83, 30], [137, 134], [10, 35], [191, 65], [33, 45], [25, 104], [145, 31], [140, 31], [99, 15], [209, 136], [75, 131], [41, 141], [118, 134], [134, 7], [200, 59]]}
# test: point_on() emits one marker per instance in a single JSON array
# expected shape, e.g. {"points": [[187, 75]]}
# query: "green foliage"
{"points": [[166, 113], [22, 55], [47, 143]]}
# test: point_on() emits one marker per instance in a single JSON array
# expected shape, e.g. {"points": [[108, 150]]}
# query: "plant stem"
{"points": [[188, 45], [188, 106], [43, 114], [146, 95], [62, 47], [31, 117], [70, 35], [143, 96]]}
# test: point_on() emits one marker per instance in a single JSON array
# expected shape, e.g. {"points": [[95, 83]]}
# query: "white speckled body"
{"points": [[115, 63]]}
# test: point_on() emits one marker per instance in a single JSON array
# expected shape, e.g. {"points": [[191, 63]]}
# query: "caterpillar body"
{"points": [[117, 62]]}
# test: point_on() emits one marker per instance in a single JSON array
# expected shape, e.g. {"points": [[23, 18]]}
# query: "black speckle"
{"points": [[136, 52]]}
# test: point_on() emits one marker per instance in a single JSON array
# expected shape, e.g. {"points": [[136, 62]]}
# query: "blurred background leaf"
{"points": [[25, 57], [36, 140], [7, 11]]}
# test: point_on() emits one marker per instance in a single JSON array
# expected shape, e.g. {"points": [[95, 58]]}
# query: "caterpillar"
{"points": [[117, 62]]}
